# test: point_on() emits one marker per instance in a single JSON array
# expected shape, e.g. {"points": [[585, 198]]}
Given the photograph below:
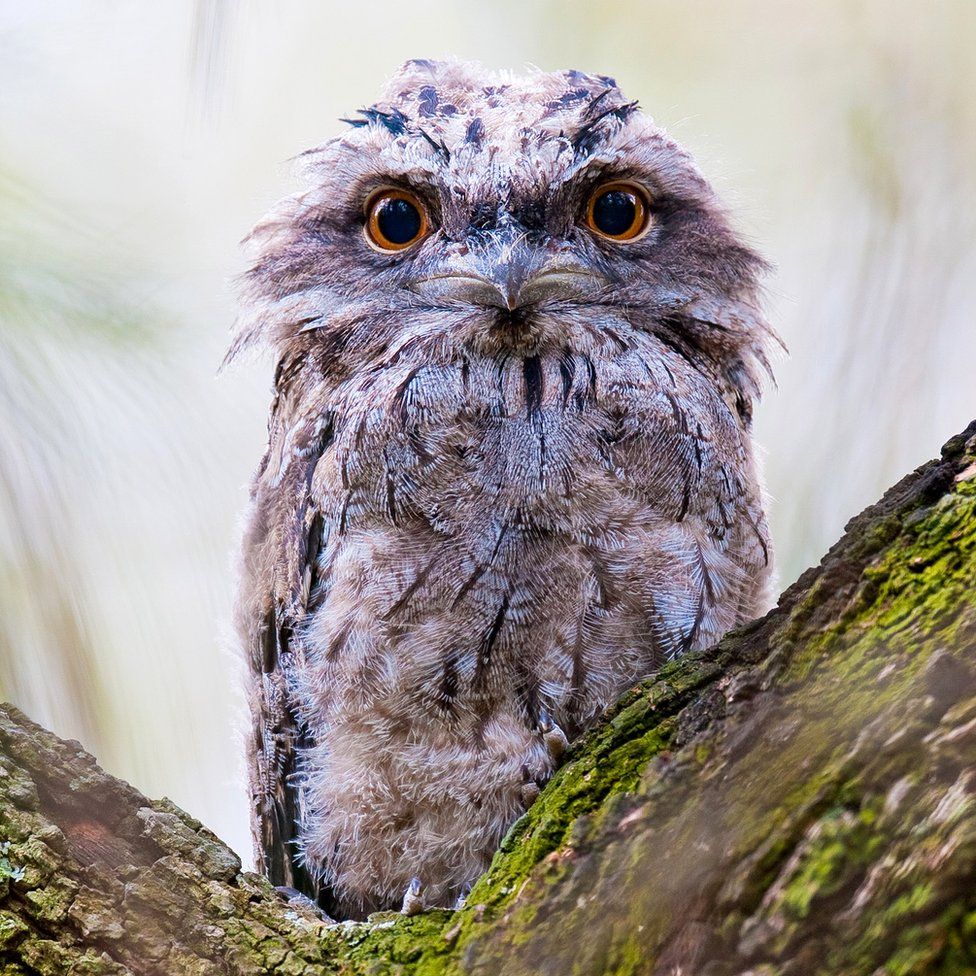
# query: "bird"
{"points": [[510, 467]]}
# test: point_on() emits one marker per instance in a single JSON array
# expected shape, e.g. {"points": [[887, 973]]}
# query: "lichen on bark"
{"points": [[800, 799]]}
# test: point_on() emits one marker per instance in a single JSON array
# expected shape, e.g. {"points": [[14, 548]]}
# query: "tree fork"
{"points": [[798, 800]]}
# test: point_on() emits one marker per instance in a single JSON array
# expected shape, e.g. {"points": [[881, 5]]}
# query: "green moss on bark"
{"points": [[799, 800]]}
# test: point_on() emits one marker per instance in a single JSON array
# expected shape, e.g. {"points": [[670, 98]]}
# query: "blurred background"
{"points": [[139, 142]]}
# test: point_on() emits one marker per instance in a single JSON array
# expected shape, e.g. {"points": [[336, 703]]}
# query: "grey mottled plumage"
{"points": [[509, 469]]}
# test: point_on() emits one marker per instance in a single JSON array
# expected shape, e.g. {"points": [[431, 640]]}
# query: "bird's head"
{"points": [[492, 213]]}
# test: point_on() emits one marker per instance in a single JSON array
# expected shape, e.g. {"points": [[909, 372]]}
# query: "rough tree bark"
{"points": [[801, 799]]}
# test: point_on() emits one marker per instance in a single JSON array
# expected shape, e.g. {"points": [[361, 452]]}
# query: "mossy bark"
{"points": [[801, 800]]}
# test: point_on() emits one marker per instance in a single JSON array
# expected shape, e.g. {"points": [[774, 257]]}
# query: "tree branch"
{"points": [[801, 799]]}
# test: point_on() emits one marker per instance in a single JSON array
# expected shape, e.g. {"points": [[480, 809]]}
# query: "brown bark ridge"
{"points": [[800, 799]]}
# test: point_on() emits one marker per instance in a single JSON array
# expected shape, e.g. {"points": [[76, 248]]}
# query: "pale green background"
{"points": [[138, 142]]}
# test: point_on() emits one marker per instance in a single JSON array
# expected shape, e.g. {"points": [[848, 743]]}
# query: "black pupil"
{"points": [[398, 220], [614, 212]]}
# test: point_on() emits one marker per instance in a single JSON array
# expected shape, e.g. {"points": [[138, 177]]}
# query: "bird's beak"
{"points": [[507, 291], [509, 277]]}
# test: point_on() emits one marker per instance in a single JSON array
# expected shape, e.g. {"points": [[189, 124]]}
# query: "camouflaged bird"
{"points": [[509, 468]]}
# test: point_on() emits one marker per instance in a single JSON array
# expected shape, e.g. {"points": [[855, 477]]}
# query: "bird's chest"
{"points": [[542, 533], [554, 441]]}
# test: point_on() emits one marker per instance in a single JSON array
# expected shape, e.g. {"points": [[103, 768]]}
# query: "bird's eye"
{"points": [[395, 219], [618, 211]]}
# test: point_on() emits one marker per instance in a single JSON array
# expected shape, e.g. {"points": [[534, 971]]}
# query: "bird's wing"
{"points": [[281, 549]]}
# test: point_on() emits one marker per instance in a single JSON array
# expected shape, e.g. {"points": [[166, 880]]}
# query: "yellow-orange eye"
{"points": [[395, 219], [618, 211]]}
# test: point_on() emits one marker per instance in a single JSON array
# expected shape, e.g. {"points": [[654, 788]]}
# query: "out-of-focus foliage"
{"points": [[145, 141], [46, 303], [114, 545]]}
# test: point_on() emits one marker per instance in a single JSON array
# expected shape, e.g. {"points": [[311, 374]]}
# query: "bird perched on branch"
{"points": [[509, 468]]}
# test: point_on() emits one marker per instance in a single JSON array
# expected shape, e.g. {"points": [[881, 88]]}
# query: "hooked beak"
{"points": [[511, 285]]}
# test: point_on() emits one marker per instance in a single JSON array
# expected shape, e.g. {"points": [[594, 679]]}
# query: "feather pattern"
{"points": [[474, 520]]}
